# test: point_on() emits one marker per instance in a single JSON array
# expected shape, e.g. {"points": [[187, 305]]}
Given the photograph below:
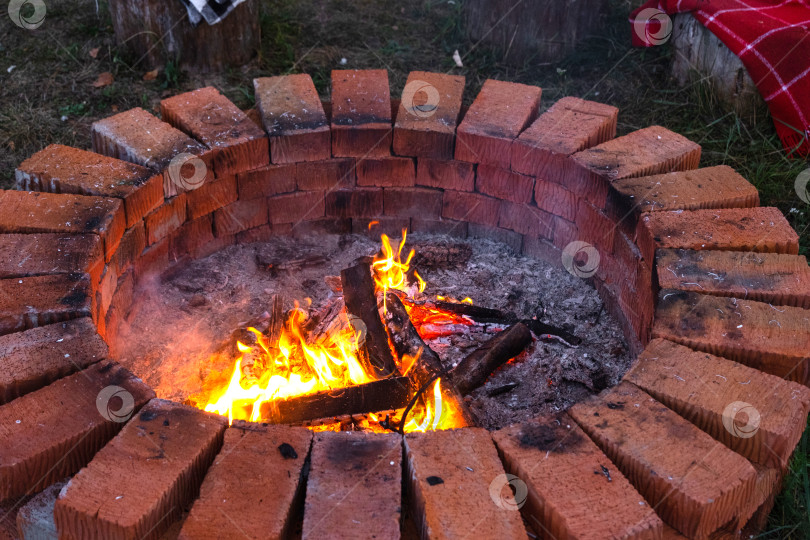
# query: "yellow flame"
{"points": [[433, 415]]}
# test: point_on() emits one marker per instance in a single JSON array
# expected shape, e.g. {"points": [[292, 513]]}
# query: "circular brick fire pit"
{"points": [[707, 285]]}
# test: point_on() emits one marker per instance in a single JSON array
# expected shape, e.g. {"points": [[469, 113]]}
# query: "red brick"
{"points": [[773, 340], [440, 226], [570, 125], [252, 483], [569, 495], [153, 260], [167, 448], [318, 227], [29, 212], [386, 172], [218, 243], [53, 432], [37, 301], [35, 358], [354, 203], [710, 187], [497, 116], [236, 143], [139, 137], [263, 233], [361, 113], [701, 388], [62, 169], [240, 216], [120, 307], [554, 198], [450, 474], [129, 250], [694, 483], [565, 232], [763, 230], [191, 239], [373, 228], [637, 300], [648, 151], [413, 202], [211, 196], [104, 295], [504, 184], [296, 207], [293, 118], [24, 255], [354, 487], [455, 175], [496, 234], [267, 181], [428, 114], [472, 207], [778, 279], [595, 227], [166, 219], [526, 219], [325, 175]]}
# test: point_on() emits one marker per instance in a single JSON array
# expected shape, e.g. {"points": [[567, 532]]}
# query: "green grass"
{"points": [[55, 71]]}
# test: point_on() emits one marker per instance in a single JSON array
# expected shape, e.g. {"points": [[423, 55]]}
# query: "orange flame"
{"points": [[292, 367]]}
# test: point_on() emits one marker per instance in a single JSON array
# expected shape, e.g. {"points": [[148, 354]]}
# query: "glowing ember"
{"points": [[292, 367]]}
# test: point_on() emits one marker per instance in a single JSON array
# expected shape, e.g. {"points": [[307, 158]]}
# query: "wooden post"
{"points": [[156, 32]]}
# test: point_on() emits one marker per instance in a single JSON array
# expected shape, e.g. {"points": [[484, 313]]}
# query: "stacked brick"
{"points": [[708, 286]]}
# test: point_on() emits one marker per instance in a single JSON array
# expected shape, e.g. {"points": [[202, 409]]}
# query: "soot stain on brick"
{"points": [[549, 437], [615, 405], [355, 453], [75, 298], [92, 223], [287, 451], [434, 480], [147, 416]]}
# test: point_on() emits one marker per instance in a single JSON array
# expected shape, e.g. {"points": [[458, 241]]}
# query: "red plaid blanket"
{"points": [[772, 38]]}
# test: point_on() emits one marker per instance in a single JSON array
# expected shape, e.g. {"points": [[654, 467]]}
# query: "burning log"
{"points": [[431, 255], [328, 321], [426, 366], [474, 370], [383, 395], [476, 313], [361, 304]]}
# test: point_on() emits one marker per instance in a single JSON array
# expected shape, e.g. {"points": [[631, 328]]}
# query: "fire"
{"points": [[325, 366], [293, 367]]}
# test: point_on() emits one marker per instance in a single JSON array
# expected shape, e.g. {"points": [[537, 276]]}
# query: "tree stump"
{"points": [[532, 30], [700, 55], [156, 32]]}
